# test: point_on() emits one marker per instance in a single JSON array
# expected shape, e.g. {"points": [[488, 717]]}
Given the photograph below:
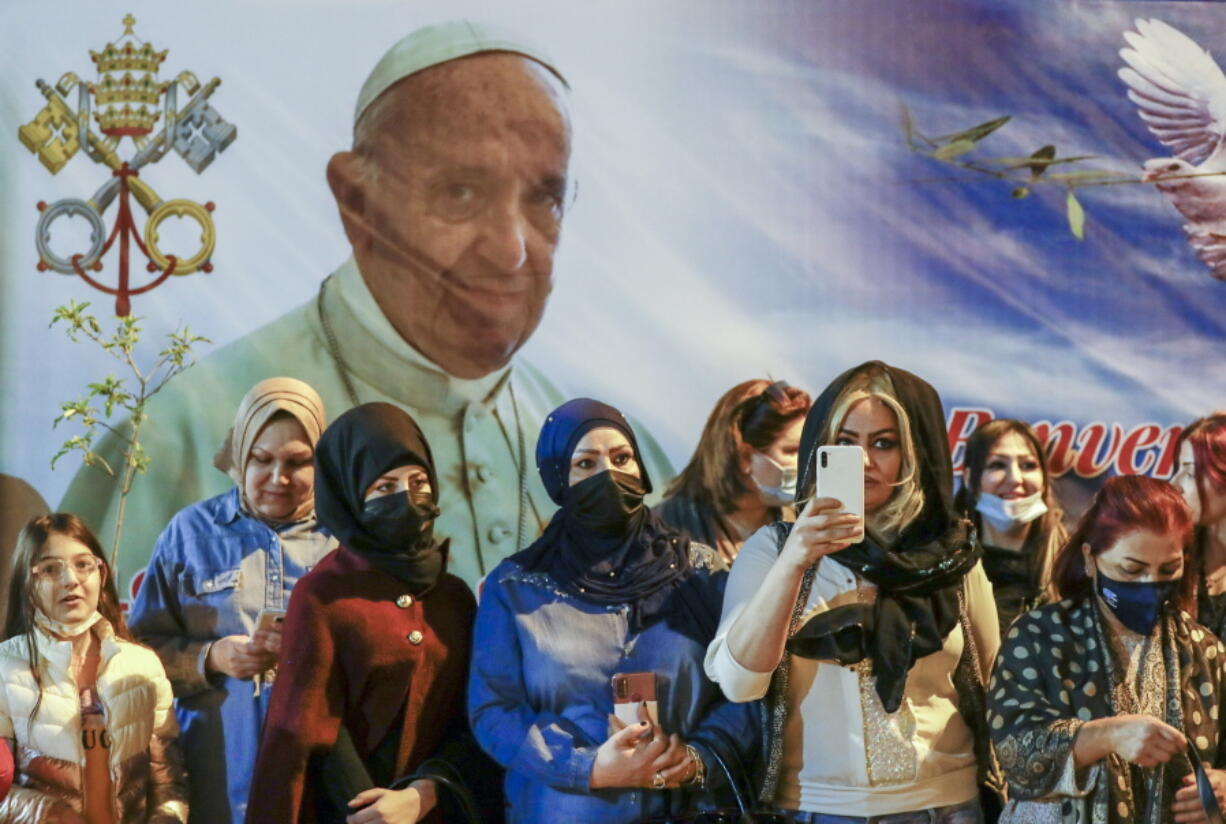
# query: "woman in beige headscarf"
{"points": [[219, 579]]}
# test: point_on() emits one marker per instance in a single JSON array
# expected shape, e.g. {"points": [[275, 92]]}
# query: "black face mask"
{"points": [[400, 522], [606, 502]]}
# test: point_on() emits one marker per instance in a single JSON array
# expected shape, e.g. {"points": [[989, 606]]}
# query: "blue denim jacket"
{"points": [[540, 694], [211, 573]]}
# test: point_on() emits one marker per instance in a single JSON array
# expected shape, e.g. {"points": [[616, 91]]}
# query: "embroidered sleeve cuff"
{"points": [[1036, 760]]}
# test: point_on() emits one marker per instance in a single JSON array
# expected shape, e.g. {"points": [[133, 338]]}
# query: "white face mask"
{"points": [[66, 630], [1006, 516], [779, 487]]}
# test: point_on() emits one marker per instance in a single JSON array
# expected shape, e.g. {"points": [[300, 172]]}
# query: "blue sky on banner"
{"points": [[992, 297]]}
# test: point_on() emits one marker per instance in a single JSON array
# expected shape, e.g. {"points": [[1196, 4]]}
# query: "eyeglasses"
{"points": [[53, 569]]}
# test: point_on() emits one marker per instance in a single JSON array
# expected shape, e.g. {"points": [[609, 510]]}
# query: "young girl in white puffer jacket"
{"points": [[86, 710]]}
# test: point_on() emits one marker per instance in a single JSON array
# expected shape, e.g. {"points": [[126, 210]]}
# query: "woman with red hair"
{"points": [[1096, 699], [1202, 480]]}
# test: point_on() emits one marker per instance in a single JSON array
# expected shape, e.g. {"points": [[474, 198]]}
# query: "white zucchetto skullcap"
{"points": [[432, 45]]}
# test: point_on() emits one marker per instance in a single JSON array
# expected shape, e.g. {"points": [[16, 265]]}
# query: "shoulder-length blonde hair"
{"points": [[907, 500]]}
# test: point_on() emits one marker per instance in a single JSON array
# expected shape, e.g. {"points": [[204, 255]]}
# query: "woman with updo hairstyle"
{"points": [[1007, 493], [871, 651], [743, 472], [1099, 701], [1201, 478]]}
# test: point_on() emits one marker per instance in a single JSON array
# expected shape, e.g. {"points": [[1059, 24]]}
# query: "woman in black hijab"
{"points": [[376, 643], [873, 655], [608, 590]]}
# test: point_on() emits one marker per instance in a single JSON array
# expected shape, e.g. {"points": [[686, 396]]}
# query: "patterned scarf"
{"points": [[1056, 671]]}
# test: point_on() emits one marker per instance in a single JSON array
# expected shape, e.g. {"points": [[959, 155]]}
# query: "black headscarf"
{"points": [[359, 447], [917, 574], [637, 563]]}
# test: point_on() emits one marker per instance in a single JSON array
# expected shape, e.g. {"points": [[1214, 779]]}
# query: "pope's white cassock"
{"points": [[483, 432]]}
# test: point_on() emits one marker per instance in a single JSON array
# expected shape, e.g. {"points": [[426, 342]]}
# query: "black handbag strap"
{"points": [[734, 783], [1204, 787], [737, 778], [433, 770]]}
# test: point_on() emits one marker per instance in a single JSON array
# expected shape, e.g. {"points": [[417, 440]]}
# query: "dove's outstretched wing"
{"points": [[1178, 87], [1211, 249]]}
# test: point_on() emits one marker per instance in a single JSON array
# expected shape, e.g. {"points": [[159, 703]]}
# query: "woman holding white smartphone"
{"points": [[870, 636]]}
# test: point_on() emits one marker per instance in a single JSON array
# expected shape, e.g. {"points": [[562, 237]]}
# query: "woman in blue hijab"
{"points": [[608, 590]]}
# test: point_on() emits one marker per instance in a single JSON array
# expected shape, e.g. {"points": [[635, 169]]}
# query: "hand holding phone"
{"points": [[637, 752], [267, 636], [834, 517]]}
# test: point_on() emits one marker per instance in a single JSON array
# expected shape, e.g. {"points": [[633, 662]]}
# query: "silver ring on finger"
{"points": [[657, 781]]}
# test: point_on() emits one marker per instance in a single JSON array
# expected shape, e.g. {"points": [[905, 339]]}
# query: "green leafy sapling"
{"points": [[95, 410]]}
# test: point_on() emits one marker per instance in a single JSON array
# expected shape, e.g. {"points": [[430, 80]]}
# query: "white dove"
{"points": [[1180, 92]]}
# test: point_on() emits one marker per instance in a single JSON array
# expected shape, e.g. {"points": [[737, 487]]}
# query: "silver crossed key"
{"points": [[200, 134]]}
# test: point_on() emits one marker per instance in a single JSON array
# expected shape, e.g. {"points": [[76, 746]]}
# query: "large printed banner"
{"points": [[758, 188]]}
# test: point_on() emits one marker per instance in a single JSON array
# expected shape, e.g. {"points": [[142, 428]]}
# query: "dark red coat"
{"points": [[351, 651]]}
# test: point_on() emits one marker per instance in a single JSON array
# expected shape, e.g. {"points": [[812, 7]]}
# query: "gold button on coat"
{"points": [[415, 637], [404, 601]]}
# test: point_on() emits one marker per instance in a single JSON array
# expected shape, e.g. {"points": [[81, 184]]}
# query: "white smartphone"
{"points": [[840, 474]]}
